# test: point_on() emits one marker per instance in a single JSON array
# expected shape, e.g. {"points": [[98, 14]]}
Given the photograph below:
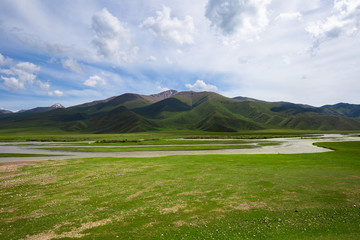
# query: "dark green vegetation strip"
{"points": [[155, 142], [299, 196], [24, 155]]}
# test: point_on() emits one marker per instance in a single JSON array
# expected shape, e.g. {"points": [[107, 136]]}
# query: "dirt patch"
{"points": [[179, 223], [10, 175], [242, 206], [9, 169], [146, 189], [188, 210], [193, 192], [18, 163], [11, 182], [134, 195], [34, 215], [7, 210], [151, 224], [173, 209], [248, 205], [81, 199], [74, 233]]}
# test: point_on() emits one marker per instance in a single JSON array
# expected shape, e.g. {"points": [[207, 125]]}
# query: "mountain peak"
{"points": [[247, 99], [165, 94], [4, 111], [57, 105], [161, 96]]}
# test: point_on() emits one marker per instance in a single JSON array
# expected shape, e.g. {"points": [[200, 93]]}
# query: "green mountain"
{"points": [[205, 111]]}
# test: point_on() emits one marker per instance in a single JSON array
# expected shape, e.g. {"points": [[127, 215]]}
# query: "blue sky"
{"points": [[75, 51]]}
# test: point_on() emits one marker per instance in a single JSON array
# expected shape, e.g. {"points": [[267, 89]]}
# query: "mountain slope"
{"points": [[204, 111], [118, 120], [342, 109], [4, 111], [160, 109], [169, 110], [42, 109], [128, 100]]}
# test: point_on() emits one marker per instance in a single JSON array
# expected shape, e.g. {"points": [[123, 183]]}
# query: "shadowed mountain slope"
{"points": [[4, 111]]}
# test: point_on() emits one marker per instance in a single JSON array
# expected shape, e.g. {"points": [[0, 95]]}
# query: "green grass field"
{"points": [[298, 196]]}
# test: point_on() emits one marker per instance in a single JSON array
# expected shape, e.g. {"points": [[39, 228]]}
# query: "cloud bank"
{"points": [[56, 93], [345, 20], [19, 75], [173, 30], [200, 85], [72, 65], [94, 80], [242, 19], [112, 38]]}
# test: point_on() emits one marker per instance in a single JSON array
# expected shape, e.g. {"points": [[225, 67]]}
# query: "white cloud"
{"points": [[238, 19], [19, 75], [12, 84], [151, 59], [94, 80], [56, 93], [171, 29], [72, 65], [200, 85], [286, 60], [289, 16], [25, 71], [44, 85], [345, 20], [4, 60], [162, 89], [168, 60], [112, 39]]}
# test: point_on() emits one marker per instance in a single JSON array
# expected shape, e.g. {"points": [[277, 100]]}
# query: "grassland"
{"points": [[297, 196]]}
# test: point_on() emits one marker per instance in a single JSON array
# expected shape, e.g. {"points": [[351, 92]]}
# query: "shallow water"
{"points": [[286, 146]]}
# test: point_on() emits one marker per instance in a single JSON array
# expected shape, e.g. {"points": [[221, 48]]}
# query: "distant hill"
{"points": [[4, 111], [207, 111], [342, 109], [42, 109], [247, 99]]}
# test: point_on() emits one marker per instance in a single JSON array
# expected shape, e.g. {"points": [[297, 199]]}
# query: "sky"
{"points": [[76, 51]]}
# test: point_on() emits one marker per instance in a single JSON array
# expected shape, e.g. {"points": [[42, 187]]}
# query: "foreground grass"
{"points": [[303, 196]]}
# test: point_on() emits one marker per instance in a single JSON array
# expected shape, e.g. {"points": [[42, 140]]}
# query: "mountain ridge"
{"points": [[206, 111]]}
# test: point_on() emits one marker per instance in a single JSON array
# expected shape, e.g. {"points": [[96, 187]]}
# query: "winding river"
{"points": [[285, 146]]}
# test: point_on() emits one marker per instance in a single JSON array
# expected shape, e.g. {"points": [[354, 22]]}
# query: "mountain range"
{"points": [[34, 110], [207, 111]]}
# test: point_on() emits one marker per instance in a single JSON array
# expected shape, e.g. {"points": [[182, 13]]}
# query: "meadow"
{"points": [[292, 196]]}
